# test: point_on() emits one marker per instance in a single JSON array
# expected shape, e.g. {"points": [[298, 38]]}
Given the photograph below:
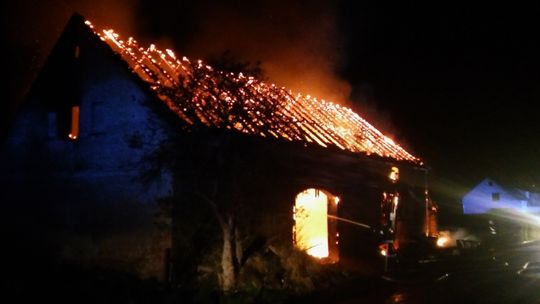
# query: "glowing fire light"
{"points": [[311, 224], [394, 174], [199, 95], [74, 132], [442, 241], [383, 249]]}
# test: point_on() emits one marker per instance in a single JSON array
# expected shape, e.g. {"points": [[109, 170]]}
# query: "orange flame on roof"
{"points": [[200, 95]]}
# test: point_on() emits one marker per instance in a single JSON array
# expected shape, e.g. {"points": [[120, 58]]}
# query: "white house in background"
{"points": [[489, 195]]}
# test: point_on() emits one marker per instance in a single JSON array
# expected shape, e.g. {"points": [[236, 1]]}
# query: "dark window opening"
{"points": [[495, 196], [52, 128]]}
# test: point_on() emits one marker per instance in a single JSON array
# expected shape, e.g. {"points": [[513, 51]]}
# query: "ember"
{"points": [[200, 95]]}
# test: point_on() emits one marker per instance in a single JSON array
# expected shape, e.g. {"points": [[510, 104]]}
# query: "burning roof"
{"points": [[200, 95]]}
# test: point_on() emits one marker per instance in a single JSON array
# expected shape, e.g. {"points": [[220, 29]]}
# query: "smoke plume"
{"points": [[298, 43]]}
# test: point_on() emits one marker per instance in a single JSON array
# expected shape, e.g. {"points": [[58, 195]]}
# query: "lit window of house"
{"points": [[394, 174], [74, 130]]}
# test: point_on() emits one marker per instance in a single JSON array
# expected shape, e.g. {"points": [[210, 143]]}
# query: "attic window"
{"points": [[394, 174], [74, 131], [495, 196]]}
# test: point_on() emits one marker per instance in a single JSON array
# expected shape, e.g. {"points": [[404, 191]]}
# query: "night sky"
{"points": [[456, 84]]}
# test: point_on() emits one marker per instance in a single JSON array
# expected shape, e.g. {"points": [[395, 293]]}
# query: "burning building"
{"points": [[111, 130]]}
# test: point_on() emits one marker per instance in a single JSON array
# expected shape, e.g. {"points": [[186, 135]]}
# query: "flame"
{"points": [[445, 239], [384, 248], [442, 241], [311, 224], [394, 174], [200, 95]]}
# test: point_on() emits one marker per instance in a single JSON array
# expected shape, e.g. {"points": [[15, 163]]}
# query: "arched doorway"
{"points": [[315, 224]]}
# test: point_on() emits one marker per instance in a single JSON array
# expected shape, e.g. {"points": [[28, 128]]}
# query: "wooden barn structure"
{"points": [[115, 138]]}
